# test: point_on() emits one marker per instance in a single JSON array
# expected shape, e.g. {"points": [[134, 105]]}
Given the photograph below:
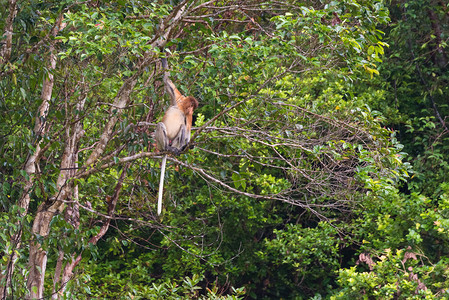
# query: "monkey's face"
{"points": [[190, 104], [193, 103]]}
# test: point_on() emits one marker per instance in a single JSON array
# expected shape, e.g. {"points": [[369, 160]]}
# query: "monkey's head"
{"points": [[189, 104]]}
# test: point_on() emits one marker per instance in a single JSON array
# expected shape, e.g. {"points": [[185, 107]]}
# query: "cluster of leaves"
{"points": [[413, 102], [416, 78], [401, 273]]}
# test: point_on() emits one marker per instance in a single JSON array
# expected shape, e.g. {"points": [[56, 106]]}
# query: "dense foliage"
{"points": [[319, 158]]}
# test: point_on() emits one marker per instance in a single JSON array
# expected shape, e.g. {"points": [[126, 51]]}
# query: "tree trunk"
{"points": [[40, 128], [5, 54], [38, 257], [57, 277], [72, 212], [6, 50]]}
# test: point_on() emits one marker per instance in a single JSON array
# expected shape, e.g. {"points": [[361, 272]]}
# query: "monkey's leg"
{"points": [[180, 141]]}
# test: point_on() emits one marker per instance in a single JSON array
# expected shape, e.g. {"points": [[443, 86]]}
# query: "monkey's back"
{"points": [[172, 120]]}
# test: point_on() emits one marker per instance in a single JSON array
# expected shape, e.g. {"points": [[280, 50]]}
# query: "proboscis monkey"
{"points": [[173, 132]]}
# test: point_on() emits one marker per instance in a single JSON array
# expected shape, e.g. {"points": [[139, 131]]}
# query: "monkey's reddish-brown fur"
{"points": [[188, 105]]}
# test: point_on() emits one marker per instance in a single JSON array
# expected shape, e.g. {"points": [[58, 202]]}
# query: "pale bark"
{"points": [[41, 225], [6, 50], [40, 129], [117, 107], [38, 257], [47, 210], [5, 54], [71, 216], [57, 275], [72, 212]]}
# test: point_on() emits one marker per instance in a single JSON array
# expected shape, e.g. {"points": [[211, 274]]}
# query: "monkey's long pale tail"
{"points": [[161, 185]]}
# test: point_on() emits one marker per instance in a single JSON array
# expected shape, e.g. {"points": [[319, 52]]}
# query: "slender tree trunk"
{"points": [[72, 212], [45, 213], [5, 54], [38, 258], [40, 129], [6, 50], [58, 272]]}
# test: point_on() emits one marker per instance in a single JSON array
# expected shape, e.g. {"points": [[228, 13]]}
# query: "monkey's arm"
{"points": [[170, 87]]}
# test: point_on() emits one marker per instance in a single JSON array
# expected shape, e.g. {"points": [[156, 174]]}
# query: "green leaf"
{"points": [[22, 91]]}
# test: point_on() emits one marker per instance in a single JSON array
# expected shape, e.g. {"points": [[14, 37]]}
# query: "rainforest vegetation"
{"points": [[318, 166]]}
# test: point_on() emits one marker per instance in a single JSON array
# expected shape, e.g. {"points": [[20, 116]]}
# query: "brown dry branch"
{"points": [[282, 196]]}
